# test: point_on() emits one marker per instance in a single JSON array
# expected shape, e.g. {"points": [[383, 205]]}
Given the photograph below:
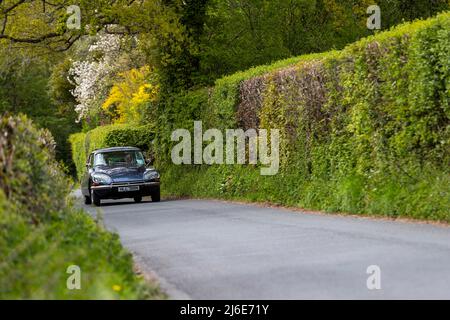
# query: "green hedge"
{"points": [[42, 234], [365, 130], [109, 136], [29, 176]]}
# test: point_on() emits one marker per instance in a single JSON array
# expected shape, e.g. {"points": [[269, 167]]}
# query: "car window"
{"points": [[119, 158], [100, 160]]}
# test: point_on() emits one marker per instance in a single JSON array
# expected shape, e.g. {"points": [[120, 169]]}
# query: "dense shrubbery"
{"points": [[26, 168], [109, 136], [365, 130], [41, 234]]}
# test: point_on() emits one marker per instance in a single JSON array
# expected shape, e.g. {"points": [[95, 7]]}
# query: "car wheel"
{"points": [[138, 199], [156, 197], [96, 199], [87, 200]]}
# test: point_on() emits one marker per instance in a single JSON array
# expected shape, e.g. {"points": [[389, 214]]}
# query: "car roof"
{"points": [[116, 149]]}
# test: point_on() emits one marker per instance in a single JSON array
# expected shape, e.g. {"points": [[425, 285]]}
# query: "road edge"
{"points": [[142, 268], [298, 210], [150, 274]]}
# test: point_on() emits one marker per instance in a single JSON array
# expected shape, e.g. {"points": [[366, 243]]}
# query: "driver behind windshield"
{"points": [[119, 158]]}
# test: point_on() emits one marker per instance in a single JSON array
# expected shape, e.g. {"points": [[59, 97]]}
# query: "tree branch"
{"points": [[30, 40], [5, 11]]}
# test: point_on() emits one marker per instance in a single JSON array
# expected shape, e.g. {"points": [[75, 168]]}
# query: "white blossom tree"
{"points": [[93, 76]]}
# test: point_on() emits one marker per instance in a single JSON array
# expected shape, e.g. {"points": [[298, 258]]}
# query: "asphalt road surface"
{"points": [[218, 250]]}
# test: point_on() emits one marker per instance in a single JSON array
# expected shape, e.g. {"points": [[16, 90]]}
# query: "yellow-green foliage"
{"points": [[365, 129], [79, 151], [119, 135], [131, 96]]}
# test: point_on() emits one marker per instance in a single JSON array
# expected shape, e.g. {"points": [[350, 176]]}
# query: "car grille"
{"points": [[132, 183]]}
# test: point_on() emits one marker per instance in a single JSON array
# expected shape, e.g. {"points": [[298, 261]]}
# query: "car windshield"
{"points": [[119, 158]]}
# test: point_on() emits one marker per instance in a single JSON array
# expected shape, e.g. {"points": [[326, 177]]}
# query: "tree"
{"points": [[130, 97], [174, 50], [44, 23], [24, 82], [243, 33]]}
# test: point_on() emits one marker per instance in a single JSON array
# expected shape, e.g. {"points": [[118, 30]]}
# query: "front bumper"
{"points": [[112, 191]]}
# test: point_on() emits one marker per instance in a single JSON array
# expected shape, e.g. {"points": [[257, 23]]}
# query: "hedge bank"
{"points": [[364, 130], [42, 234]]}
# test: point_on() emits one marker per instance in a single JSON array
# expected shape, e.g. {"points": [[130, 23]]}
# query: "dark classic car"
{"points": [[119, 173]]}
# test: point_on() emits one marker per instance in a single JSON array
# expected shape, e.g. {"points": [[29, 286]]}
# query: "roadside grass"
{"points": [[35, 259], [351, 196]]}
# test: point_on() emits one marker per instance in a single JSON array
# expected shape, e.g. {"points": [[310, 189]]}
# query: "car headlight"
{"points": [[101, 178], [151, 175]]}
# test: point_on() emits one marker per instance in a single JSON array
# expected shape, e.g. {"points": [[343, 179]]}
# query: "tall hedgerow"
{"points": [[365, 129]]}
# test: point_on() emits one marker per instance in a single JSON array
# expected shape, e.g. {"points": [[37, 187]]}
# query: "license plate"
{"points": [[129, 189]]}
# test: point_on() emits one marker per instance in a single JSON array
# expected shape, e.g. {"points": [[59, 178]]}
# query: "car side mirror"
{"points": [[149, 161]]}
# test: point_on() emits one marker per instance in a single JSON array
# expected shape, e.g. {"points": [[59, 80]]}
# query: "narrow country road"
{"points": [[218, 250]]}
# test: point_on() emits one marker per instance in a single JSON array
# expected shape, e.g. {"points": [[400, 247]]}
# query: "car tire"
{"points": [[156, 196], [87, 200], [96, 200], [138, 199]]}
